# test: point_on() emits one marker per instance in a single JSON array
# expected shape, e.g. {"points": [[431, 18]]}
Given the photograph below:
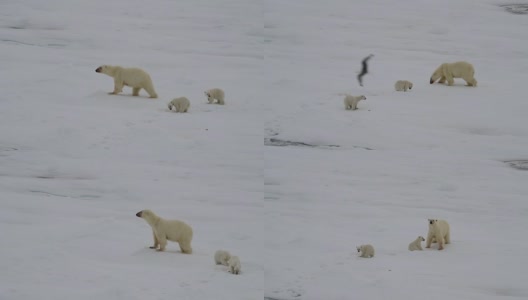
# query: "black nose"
{"points": [[98, 70], [138, 214]]}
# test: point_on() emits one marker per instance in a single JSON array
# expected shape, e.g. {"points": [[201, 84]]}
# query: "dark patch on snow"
{"points": [[283, 143], [516, 9], [270, 298], [520, 164]]}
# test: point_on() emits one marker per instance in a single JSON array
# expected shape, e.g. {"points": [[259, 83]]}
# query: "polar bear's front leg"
{"points": [[135, 91], [442, 79], [118, 87], [441, 243], [450, 80], [156, 243], [162, 240], [429, 240]]}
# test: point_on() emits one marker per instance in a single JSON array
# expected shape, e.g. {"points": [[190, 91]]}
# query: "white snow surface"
{"points": [[76, 164]]}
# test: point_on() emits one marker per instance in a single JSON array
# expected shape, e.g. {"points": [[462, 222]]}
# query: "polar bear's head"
{"points": [[436, 75], [101, 69], [208, 94], [362, 97], [432, 221], [145, 214], [421, 238], [106, 69], [359, 248], [410, 85]]}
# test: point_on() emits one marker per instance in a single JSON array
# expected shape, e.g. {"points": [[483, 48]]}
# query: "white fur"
{"points": [[222, 257], [459, 69], [403, 85], [234, 264], [366, 250], [181, 104], [352, 101], [416, 244], [439, 230], [172, 230], [132, 77], [217, 94]]}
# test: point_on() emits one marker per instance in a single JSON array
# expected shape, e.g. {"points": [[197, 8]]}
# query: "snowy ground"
{"points": [[76, 164]]}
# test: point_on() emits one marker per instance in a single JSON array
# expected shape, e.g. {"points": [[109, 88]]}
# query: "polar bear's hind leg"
{"points": [[135, 91]]}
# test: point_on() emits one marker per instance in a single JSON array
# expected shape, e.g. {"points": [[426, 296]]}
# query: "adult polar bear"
{"points": [[459, 69], [172, 230], [438, 230], [133, 77]]}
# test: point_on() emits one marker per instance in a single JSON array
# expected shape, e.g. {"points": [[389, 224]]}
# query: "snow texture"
{"points": [[76, 164]]}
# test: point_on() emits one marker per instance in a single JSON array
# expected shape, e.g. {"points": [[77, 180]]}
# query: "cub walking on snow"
{"points": [[416, 244], [366, 251], [222, 257], [351, 102], [135, 78], [172, 230], [181, 104], [217, 94], [439, 230], [403, 85], [234, 265]]}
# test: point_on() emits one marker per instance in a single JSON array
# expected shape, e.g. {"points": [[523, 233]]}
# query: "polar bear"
{"points": [[403, 85], [181, 104], [352, 101], [439, 230], [172, 230], [132, 77], [459, 69], [234, 264], [416, 244], [222, 257], [213, 94], [366, 250]]}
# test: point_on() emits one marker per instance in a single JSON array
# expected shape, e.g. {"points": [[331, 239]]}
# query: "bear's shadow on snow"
{"points": [[516, 9], [519, 164]]}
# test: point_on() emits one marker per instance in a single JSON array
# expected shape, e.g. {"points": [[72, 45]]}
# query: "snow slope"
{"points": [[438, 151], [76, 164]]}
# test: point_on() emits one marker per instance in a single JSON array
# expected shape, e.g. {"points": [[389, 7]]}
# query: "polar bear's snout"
{"points": [[98, 70], [139, 214]]}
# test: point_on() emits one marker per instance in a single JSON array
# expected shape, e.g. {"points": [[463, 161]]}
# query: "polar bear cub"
{"points": [[366, 250], [403, 85], [234, 264], [132, 77], [352, 101], [459, 69], [222, 257], [181, 104], [439, 230], [217, 94], [416, 244], [172, 230]]}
